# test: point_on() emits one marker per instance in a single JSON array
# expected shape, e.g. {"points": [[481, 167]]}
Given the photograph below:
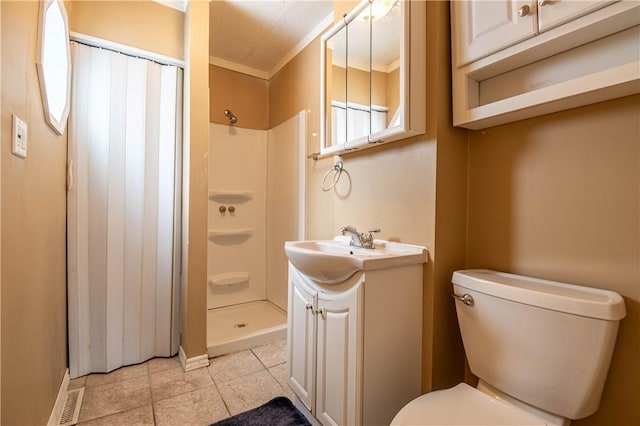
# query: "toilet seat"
{"points": [[462, 405]]}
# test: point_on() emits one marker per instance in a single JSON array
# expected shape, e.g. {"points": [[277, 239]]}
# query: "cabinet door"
{"points": [[301, 338], [339, 364], [554, 13], [484, 27]]}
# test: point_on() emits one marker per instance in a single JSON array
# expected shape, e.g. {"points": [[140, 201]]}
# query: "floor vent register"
{"points": [[72, 405]]}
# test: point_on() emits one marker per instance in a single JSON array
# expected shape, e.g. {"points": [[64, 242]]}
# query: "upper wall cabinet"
{"points": [[519, 59], [373, 76]]}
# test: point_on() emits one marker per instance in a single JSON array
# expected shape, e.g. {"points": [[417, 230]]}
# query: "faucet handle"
{"points": [[367, 239], [347, 228]]}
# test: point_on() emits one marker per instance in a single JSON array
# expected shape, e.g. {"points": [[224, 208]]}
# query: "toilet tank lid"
{"points": [[562, 297]]}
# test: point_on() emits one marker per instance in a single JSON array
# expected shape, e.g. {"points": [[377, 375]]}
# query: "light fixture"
{"points": [[377, 10]]}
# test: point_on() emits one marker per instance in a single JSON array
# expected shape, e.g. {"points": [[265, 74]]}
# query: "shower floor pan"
{"points": [[240, 327]]}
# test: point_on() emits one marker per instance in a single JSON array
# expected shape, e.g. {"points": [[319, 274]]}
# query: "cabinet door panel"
{"points": [[301, 339], [484, 27], [338, 352], [554, 13]]}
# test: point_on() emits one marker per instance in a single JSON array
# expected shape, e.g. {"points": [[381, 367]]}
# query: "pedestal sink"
{"points": [[334, 261]]}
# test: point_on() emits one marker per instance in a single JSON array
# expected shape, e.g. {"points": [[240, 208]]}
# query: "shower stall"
{"points": [[256, 203]]}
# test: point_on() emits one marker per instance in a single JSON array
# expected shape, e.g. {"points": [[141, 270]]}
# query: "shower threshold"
{"points": [[244, 326]]}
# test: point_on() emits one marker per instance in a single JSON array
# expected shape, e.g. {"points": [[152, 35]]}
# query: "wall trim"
{"points": [[58, 407], [234, 66], [189, 364]]}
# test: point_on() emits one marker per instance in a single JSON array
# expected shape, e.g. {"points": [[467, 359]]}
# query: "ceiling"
{"points": [[259, 37]]}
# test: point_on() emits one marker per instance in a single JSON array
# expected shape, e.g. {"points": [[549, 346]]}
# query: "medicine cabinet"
{"points": [[373, 76]]}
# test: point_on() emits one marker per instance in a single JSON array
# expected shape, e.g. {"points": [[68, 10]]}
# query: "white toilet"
{"points": [[541, 350]]}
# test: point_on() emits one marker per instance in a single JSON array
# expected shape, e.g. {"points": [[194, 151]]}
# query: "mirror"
{"points": [[336, 93], [386, 44], [359, 78], [345, 88], [373, 91]]}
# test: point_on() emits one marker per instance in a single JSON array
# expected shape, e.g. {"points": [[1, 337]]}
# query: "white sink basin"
{"points": [[334, 261]]}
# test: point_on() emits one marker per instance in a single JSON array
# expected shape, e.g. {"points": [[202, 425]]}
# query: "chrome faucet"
{"points": [[360, 239]]}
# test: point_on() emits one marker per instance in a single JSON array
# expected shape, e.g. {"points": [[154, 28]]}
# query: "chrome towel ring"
{"points": [[334, 171]]}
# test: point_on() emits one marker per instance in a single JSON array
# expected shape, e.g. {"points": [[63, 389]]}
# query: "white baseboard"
{"points": [[58, 407], [189, 364]]}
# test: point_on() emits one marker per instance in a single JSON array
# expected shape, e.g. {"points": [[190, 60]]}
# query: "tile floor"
{"points": [[159, 392]]}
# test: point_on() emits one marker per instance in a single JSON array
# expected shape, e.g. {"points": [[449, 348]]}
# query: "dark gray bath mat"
{"points": [[277, 412]]}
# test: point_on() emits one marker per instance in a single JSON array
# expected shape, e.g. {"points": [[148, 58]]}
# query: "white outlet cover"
{"points": [[19, 137]]}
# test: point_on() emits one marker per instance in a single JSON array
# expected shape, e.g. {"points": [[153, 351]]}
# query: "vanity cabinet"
{"points": [[354, 348], [326, 326], [519, 59]]}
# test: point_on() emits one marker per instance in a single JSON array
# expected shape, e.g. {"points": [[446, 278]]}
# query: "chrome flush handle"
{"points": [[465, 298]]}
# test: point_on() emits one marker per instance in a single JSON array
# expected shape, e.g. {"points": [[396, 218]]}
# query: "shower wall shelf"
{"points": [[230, 196], [229, 279], [219, 234]]}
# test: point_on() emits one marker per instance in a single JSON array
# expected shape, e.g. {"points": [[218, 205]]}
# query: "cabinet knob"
{"points": [[309, 306], [524, 10], [543, 2], [320, 312]]}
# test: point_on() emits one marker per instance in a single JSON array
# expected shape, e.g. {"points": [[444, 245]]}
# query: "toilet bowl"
{"points": [[463, 405], [540, 348]]}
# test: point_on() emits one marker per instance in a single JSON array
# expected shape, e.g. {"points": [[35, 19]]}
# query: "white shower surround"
{"points": [[261, 174], [237, 164]]}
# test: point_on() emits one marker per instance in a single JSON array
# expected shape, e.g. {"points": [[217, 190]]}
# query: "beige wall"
{"points": [[379, 89], [515, 177], [195, 181], [416, 191], [295, 88], [358, 85], [558, 197], [451, 200], [360, 82], [336, 79], [394, 187], [144, 24], [393, 92], [33, 277], [246, 96], [34, 329]]}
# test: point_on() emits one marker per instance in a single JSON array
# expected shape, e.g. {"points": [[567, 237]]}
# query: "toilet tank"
{"points": [[545, 343]]}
